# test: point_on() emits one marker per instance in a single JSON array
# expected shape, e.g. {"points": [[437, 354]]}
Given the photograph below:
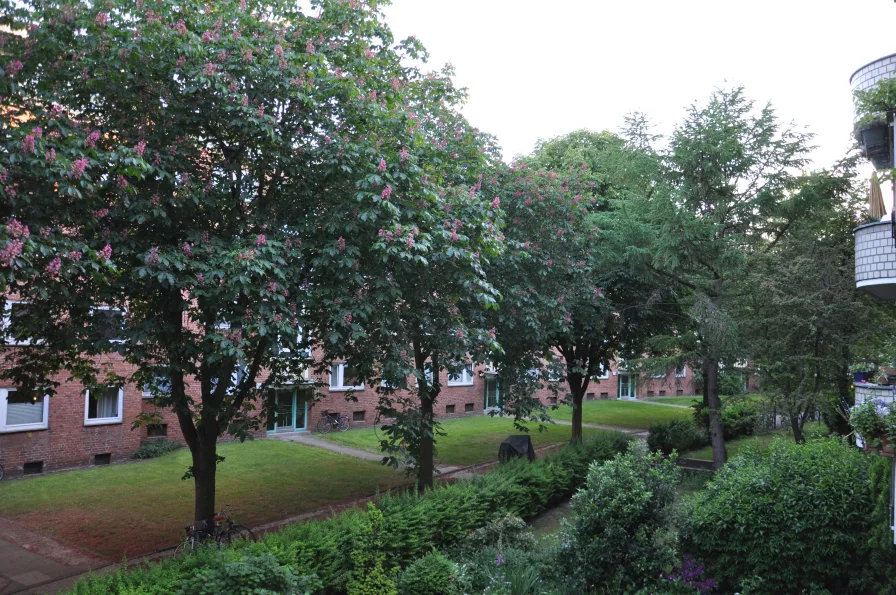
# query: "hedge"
{"points": [[413, 524]]}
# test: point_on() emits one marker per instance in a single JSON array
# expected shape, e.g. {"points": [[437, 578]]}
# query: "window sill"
{"points": [[342, 389], [107, 421], [461, 384], [23, 428]]}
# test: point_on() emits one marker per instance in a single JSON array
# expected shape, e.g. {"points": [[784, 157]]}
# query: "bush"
{"points": [[157, 448], [251, 575], [797, 517], [620, 539], [508, 531], [433, 574], [412, 524], [740, 417], [680, 435], [488, 569], [369, 577]]}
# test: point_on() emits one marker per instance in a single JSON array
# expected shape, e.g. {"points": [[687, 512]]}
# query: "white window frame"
{"points": [[340, 379], [102, 421], [5, 429], [7, 320], [604, 373], [124, 314], [147, 394], [464, 379], [684, 372]]}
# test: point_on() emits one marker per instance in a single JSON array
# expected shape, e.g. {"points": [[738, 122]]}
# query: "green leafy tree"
{"points": [[726, 186], [190, 164]]}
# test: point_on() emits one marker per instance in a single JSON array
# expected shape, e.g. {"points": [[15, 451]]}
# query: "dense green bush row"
{"points": [[157, 448], [411, 525]]}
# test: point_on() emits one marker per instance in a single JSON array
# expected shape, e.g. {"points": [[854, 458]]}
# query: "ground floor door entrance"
{"points": [[626, 386], [494, 397], [288, 409]]}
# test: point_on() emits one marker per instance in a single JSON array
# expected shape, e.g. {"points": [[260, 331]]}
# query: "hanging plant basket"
{"points": [[885, 449], [876, 141]]}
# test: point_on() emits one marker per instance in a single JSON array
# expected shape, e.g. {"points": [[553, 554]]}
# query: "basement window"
{"points": [[103, 459], [359, 415], [552, 400], [449, 408], [662, 393], [156, 430], [33, 468], [468, 407], [679, 392], [589, 397], [604, 395]]}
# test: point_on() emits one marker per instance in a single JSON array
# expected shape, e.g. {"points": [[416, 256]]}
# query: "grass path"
{"points": [[685, 401], [469, 440], [623, 414], [130, 509]]}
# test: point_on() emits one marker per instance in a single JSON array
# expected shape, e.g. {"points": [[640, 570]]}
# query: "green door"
{"points": [[289, 409]]}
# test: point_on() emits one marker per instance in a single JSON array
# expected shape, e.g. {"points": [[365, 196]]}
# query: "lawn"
{"points": [[469, 440], [623, 414], [130, 509], [761, 442]]}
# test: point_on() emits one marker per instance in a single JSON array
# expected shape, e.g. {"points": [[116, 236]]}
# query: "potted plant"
{"points": [[874, 107], [874, 135], [874, 421], [880, 377], [862, 371]]}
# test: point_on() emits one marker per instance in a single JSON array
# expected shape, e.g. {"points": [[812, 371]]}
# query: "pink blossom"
{"points": [[368, 53], [185, 179], [459, 334], [74, 255], [153, 257], [101, 213], [396, 83], [106, 253], [340, 243], [245, 101], [382, 165], [454, 236], [180, 61], [10, 252], [155, 200], [567, 318], [94, 136], [261, 240], [187, 249], [140, 148], [599, 292], [28, 144], [550, 262], [45, 232], [78, 167], [56, 110], [404, 154], [121, 181], [261, 110], [272, 287], [309, 47], [348, 319], [102, 18], [53, 267], [50, 155], [206, 36], [14, 67], [210, 68], [387, 192], [3, 174], [278, 50], [200, 277], [37, 131], [410, 241], [496, 203]]}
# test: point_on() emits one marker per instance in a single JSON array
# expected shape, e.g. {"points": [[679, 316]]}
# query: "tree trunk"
{"points": [[797, 429], [425, 463], [714, 404], [203, 443], [577, 389]]}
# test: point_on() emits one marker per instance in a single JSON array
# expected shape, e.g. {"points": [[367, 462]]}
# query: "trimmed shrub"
{"points": [[509, 531], [433, 574], [740, 417], [794, 518], [620, 539], [412, 524], [678, 434], [252, 575], [157, 448], [369, 576]]}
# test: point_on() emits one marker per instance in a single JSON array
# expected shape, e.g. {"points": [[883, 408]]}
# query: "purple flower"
{"points": [[101, 19], [53, 267], [340, 243], [261, 240], [28, 144]]}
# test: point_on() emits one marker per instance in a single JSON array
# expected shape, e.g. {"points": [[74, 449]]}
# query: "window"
{"points": [[603, 374], [15, 321], [681, 371], [650, 393], [679, 392], [552, 400], [468, 407], [462, 378], [662, 393], [20, 412], [604, 395], [103, 406], [589, 397], [33, 468], [102, 459], [162, 385], [342, 377], [108, 324], [358, 415], [156, 430], [427, 369], [449, 409]]}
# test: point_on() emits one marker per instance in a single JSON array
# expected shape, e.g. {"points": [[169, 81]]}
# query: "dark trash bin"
{"points": [[516, 446]]}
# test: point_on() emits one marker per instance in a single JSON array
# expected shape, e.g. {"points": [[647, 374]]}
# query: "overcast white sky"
{"points": [[541, 69]]}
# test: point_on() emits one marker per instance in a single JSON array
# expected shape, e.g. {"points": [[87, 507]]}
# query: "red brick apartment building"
{"points": [[77, 428]]}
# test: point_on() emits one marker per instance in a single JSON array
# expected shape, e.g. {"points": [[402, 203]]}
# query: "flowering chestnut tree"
{"points": [[198, 166]]}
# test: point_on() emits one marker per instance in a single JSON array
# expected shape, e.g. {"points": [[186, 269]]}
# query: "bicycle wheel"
{"points": [[324, 425], [237, 533], [186, 546], [1, 471], [343, 425]]}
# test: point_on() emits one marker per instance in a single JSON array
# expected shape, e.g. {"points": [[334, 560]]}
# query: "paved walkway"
{"points": [[649, 402], [29, 560], [308, 439]]}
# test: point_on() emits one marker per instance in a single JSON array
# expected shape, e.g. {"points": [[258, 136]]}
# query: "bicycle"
{"points": [[224, 532], [329, 421], [1, 471]]}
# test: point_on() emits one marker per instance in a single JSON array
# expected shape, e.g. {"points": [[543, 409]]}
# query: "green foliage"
{"points": [[795, 517], [508, 531], [412, 525], [871, 419], [873, 103], [498, 569], [251, 575], [620, 537], [368, 575], [433, 574], [678, 434], [740, 417], [157, 448], [881, 567]]}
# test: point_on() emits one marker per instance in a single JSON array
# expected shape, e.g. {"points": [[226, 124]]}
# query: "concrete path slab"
{"points": [[635, 431], [29, 559]]}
